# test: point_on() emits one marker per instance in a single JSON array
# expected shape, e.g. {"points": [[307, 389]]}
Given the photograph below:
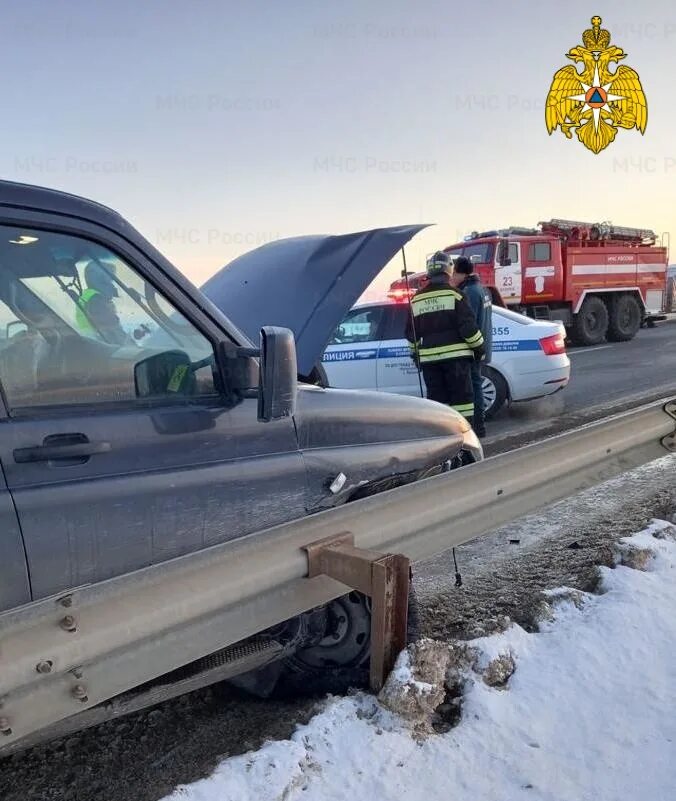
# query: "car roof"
{"points": [[509, 314], [15, 195], [26, 196]]}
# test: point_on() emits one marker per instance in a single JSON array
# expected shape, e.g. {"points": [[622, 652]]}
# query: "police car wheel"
{"points": [[495, 392]]}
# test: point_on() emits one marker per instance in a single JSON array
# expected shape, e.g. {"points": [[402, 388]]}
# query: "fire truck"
{"points": [[601, 281]]}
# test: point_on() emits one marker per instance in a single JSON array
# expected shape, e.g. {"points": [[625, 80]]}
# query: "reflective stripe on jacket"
{"points": [[442, 325]]}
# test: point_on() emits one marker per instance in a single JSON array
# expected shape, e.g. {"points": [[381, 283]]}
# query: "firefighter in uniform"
{"points": [[445, 339], [480, 299]]}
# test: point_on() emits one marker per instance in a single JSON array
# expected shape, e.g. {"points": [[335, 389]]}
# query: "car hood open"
{"points": [[306, 283]]}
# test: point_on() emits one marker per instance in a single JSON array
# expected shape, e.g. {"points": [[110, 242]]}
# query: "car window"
{"points": [[80, 325], [513, 252], [540, 251], [395, 328], [359, 325]]}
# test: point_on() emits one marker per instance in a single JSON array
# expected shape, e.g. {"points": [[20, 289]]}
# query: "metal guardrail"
{"points": [[64, 654]]}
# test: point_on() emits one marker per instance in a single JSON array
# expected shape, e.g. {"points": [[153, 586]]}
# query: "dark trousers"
{"points": [[477, 385], [450, 382]]}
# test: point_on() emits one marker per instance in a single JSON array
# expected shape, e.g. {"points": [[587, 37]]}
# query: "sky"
{"points": [[215, 126]]}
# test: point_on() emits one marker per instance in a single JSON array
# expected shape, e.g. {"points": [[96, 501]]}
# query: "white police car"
{"points": [[368, 350]]}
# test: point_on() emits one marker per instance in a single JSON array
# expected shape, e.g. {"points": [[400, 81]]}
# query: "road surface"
{"points": [[604, 379]]}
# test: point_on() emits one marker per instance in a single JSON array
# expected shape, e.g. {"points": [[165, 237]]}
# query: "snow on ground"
{"points": [[587, 715]]}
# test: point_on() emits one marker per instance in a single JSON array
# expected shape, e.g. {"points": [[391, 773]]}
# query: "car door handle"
{"points": [[54, 450]]}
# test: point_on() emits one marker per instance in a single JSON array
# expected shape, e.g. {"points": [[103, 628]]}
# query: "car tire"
{"points": [[495, 390], [340, 661], [590, 324], [625, 318]]}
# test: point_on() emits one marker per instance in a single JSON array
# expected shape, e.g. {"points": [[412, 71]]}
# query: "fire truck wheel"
{"points": [[590, 324], [625, 318], [495, 392]]}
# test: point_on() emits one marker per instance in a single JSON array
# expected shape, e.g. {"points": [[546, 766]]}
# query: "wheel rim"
{"points": [[490, 393], [347, 642]]}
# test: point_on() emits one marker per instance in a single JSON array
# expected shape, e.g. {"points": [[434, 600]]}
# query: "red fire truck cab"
{"points": [[601, 281]]}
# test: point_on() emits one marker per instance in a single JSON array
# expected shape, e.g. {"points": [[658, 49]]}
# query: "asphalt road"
{"points": [[606, 378]]}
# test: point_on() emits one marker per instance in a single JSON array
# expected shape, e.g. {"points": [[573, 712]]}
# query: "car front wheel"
{"points": [[340, 659]]}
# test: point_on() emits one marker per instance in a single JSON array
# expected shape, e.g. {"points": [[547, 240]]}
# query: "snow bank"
{"points": [[416, 686], [588, 713]]}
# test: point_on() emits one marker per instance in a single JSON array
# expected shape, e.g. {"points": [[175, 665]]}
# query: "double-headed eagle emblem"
{"points": [[596, 103]]}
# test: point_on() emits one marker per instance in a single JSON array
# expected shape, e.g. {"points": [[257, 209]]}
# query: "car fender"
{"points": [[369, 437]]}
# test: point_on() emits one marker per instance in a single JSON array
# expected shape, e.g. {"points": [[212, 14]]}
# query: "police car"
{"points": [[368, 350]]}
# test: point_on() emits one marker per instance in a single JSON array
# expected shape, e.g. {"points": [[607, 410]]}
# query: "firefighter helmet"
{"points": [[440, 262]]}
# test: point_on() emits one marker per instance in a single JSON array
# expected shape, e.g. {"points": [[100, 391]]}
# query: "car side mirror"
{"points": [[163, 375], [274, 378], [503, 253], [278, 386]]}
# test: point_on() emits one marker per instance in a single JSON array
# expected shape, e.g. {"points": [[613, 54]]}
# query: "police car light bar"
{"points": [[401, 295]]}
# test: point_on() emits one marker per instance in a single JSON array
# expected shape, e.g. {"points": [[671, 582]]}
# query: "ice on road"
{"points": [[589, 714]]}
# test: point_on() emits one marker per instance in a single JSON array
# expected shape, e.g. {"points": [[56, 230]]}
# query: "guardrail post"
{"points": [[669, 442], [384, 578]]}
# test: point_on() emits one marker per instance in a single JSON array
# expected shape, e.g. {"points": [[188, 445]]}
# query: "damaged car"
{"points": [[139, 422]]}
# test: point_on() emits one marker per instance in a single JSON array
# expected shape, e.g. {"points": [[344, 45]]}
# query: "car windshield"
{"points": [[483, 250]]}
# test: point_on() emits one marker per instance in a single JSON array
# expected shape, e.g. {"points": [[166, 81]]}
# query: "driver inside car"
{"points": [[96, 314]]}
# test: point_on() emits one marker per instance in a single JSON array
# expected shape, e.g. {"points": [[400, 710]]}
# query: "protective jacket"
{"points": [[442, 325], [96, 316], [481, 301]]}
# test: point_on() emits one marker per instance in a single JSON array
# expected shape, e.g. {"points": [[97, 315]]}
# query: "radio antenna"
{"points": [[410, 311]]}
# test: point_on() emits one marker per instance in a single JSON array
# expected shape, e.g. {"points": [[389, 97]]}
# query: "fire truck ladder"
{"points": [[603, 231]]}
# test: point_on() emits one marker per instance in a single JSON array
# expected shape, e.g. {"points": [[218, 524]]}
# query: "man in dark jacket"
{"points": [[479, 298], [445, 339]]}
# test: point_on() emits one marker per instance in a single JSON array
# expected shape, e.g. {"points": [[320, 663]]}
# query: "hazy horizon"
{"points": [[216, 127]]}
